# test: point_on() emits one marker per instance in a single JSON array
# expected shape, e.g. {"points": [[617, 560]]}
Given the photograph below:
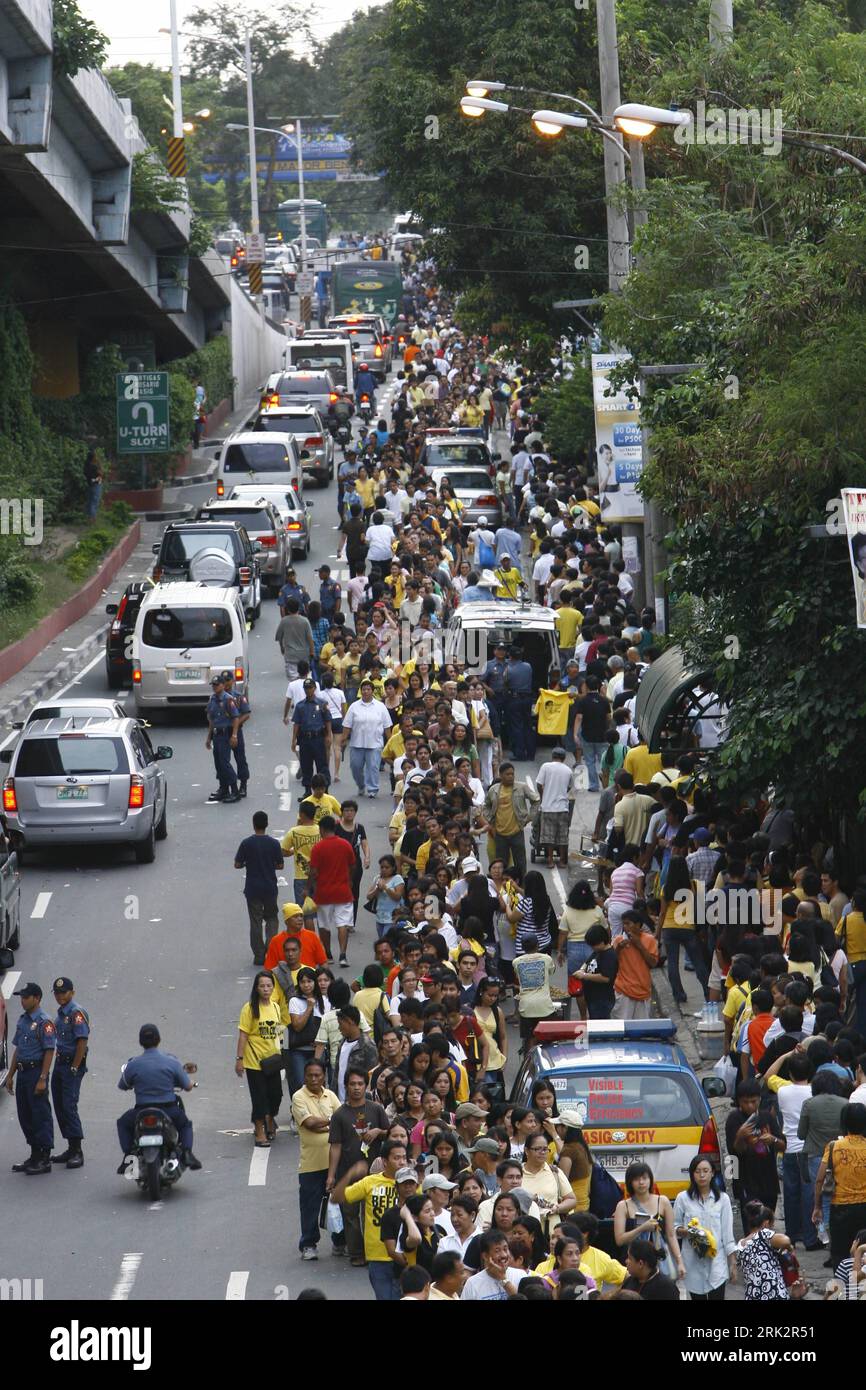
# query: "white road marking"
{"points": [[259, 1168], [8, 983], [128, 1270], [236, 1288], [558, 885], [40, 907]]}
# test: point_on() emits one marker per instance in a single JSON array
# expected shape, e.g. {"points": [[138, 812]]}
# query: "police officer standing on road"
{"points": [[223, 721], [73, 1031], [34, 1043], [493, 679], [311, 736], [244, 710], [518, 688]]}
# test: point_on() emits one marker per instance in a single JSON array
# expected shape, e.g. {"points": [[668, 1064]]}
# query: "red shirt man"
{"points": [[332, 864]]}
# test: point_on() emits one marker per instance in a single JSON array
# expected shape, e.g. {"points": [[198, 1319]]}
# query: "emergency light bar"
{"points": [[599, 1030]]}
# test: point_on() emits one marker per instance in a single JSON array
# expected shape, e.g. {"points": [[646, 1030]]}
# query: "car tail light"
{"points": [[709, 1144], [10, 800], [267, 541], [295, 484], [485, 502], [234, 262], [136, 673], [294, 526], [315, 441], [239, 668], [221, 488], [270, 400], [377, 351], [136, 793], [245, 574]]}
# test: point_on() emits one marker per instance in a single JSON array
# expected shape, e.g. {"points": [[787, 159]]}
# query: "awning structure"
{"points": [[670, 700]]}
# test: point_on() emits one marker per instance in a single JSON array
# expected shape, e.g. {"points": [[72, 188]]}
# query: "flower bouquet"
{"points": [[702, 1241]]}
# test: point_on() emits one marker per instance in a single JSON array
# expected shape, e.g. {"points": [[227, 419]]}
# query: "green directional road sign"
{"points": [[142, 413]]}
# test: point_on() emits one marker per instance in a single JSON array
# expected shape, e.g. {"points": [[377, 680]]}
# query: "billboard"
{"points": [[854, 502], [619, 455]]}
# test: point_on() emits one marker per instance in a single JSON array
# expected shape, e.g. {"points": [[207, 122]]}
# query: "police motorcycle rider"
{"points": [[153, 1077]]}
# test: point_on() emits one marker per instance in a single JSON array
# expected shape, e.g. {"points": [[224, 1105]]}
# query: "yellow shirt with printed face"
{"points": [[378, 1194]]}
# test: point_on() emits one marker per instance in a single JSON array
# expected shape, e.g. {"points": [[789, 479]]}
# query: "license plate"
{"points": [[73, 793], [616, 1159], [150, 1141], [186, 674]]}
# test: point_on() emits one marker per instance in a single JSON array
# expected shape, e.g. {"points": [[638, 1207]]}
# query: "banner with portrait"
{"points": [[854, 504], [619, 455]]}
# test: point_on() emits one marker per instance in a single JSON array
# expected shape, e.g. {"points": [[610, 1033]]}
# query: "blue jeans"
{"points": [[798, 1196], [298, 1059], [592, 756], [674, 938], [814, 1162], [576, 955], [381, 1276], [311, 1190], [364, 763], [300, 885], [94, 496]]}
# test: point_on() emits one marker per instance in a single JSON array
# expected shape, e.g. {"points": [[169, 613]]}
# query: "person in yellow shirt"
{"points": [[365, 486], [312, 1108], [568, 623], [642, 764], [298, 842], [325, 804], [594, 1262], [378, 1192], [510, 579]]}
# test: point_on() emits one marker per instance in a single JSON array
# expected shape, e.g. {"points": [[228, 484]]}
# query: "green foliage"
{"points": [[76, 41], [112, 525], [211, 366], [19, 581], [154, 190], [566, 408]]}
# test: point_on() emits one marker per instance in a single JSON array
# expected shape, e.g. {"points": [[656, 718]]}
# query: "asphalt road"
{"points": [[167, 943]]}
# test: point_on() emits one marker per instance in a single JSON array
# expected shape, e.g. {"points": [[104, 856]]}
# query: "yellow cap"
{"points": [[291, 910]]}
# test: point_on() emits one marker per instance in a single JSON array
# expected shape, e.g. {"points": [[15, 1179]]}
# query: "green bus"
{"points": [[315, 215], [368, 287]]}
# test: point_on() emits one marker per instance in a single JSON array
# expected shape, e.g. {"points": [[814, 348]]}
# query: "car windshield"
{"points": [[256, 458], [179, 547], [303, 386], [634, 1097], [323, 356], [65, 756], [187, 627], [446, 455], [253, 518]]}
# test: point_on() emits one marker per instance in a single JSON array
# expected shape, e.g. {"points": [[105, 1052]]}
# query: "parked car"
{"points": [[290, 504], [264, 526], [118, 639], [314, 443], [96, 784], [185, 541], [638, 1097]]}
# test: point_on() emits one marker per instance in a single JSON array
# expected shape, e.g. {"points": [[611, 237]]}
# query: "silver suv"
{"points": [[264, 526], [93, 782]]}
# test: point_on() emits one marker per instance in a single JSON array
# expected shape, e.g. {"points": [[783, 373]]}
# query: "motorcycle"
{"points": [[365, 409], [156, 1148], [343, 436]]}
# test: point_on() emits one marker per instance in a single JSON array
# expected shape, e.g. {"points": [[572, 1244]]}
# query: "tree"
{"points": [[76, 42]]}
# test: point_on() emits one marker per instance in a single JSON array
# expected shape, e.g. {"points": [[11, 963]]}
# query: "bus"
{"points": [[315, 215], [368, 287]]}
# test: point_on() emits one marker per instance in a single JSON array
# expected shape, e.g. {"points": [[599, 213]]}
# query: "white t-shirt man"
{"points": [[368, 722], [379, 539], [542, 567], [554, 781]]}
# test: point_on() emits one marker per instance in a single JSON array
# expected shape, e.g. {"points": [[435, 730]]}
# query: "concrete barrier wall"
{"points": [[257, 347]]}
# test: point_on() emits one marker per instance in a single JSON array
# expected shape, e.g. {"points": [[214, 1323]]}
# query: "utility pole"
{"points": [[614, 160], [177, 115], [251, 122], [721, 23]]}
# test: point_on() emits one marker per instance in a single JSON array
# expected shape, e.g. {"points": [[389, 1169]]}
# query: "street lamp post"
{"points": [[251, 126], [177, 120]]}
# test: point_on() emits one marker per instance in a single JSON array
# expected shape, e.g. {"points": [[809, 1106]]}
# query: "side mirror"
{"points": [[163, 751], [111, 609], [155, 549], [218, 453], [713, 1087], [19, 724], [6, 755]]}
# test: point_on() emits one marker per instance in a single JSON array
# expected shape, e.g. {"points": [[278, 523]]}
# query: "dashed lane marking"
{"points": [[128, 1270], [8, 983], [236, 1288], [40, 907], [259, 1168]]}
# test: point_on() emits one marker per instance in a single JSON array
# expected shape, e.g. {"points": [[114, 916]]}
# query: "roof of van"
{"points": [[173, 594], [267, 436], [498, 612]]}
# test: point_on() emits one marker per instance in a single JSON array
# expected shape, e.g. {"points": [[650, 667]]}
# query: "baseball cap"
{"points": [[470, 865], [484, 1146], [227, 675], [437, 1180], [405, 1175], [27, 991], [292, 910], [62, 984], [216, 680], [468, 1110], [482, 521], [569, 1119], [701, 836]]}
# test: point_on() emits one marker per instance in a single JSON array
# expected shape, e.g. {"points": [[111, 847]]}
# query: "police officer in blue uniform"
{"points": [[311, 736], [244, 711], [519, 694], [292, 589], [73, 1032], [34, 1043], [153, 1077], [493, 679], [223, 722]]}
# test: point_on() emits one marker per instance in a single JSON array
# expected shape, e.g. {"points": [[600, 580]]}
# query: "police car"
{"points": [[637, 1094]]}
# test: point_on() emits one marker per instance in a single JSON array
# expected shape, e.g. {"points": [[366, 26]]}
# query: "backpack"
{"points": [[486, 555], [604, 1193], [381, 1021]]}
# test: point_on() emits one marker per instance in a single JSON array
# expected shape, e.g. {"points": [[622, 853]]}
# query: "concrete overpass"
{"points": [[85, 265]]}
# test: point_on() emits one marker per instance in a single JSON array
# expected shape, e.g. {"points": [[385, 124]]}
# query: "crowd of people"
{"points": [[410, 1157]]}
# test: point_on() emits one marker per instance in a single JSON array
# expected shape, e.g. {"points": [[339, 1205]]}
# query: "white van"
{"points": [[325, 353], [475, 629], [271, 458], [185, 634]]}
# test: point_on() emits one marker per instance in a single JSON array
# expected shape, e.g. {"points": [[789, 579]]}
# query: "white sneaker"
{"points": [[309, 1253]]}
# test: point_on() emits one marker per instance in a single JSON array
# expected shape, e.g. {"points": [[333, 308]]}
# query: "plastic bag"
{"points": [[725, 1068], [333, 1219]]}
